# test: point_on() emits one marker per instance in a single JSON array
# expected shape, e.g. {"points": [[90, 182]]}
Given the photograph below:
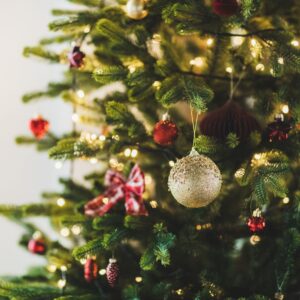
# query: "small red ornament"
{"points": [[76, 58], [279, 129], [165, 132], [112, 272], [39, 127], [225, 8], [37, 246], [256, 223], [90, 270]]}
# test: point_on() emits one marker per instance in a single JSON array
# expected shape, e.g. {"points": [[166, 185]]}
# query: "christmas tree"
{"points": [[195, 145]]}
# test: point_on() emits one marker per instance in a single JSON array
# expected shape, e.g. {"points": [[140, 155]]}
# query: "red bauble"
{"points": [[256, 224], [76, 58], [279, 129], [165, 132], [90, 270], [39, 127], [112, 272], [225, 8], [229, 118], [37, 246]]}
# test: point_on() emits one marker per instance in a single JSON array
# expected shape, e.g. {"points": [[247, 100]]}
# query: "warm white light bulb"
{"points": [[210, 42], [75, 118], [61, 202], [63, 268], [154, 204], [102, 138], [285, 109], [102, 272], [281, 60], [134, 153], [229, 70], [127, 152], [260, 67], [93, 160], [65, 232], [58, 165], [62, 283], [197, 62], [171, 163], [80, 93], [253, 42], [286, 200], [76, 229], [52, 268]]}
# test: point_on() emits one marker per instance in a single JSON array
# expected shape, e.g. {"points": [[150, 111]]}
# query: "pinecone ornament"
{"points": [[112, 272]]}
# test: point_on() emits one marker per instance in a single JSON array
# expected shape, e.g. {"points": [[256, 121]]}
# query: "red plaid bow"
{"points": [[119, 188]]}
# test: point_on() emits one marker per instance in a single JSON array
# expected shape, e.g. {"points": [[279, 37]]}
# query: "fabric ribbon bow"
{"points": [[119, 188]]}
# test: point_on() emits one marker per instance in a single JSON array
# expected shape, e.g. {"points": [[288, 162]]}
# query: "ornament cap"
{"points": [[112, 260], [256, 213], [194, 152], [166, 117], [279, 117]]}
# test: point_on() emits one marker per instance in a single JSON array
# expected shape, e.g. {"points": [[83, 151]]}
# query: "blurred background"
{"points": [[24, 172]]}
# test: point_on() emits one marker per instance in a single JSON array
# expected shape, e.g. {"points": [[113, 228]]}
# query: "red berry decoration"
{"points": [[37, 246], [165, 132], [112, 272], [229, 118], [225, 8], [90, 270], [256, 223], [76, 58], [39, 127], [279, 129]]}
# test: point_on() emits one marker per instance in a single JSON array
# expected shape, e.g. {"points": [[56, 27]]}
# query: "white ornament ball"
{"points": [[195, 180], [135, 9]]}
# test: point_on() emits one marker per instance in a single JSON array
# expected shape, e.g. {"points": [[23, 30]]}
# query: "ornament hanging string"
{"points": [[75, 88], [283, 281], [233, 87], [194, 124]]}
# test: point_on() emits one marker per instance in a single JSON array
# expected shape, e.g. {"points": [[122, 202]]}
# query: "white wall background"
{"points": [[24, 173]]}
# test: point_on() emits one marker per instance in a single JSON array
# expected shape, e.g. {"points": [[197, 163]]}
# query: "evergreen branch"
{"points": [[42, 53], [33, 210], [248, 34], [93, 247], [28, 291]]}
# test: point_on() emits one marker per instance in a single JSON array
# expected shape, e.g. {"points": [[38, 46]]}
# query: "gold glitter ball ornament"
{"points": [[135, 9], [195, 180]]}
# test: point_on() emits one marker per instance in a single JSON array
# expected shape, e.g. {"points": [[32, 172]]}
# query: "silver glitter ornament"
{"points": [[135, 9], [195, 180]]}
